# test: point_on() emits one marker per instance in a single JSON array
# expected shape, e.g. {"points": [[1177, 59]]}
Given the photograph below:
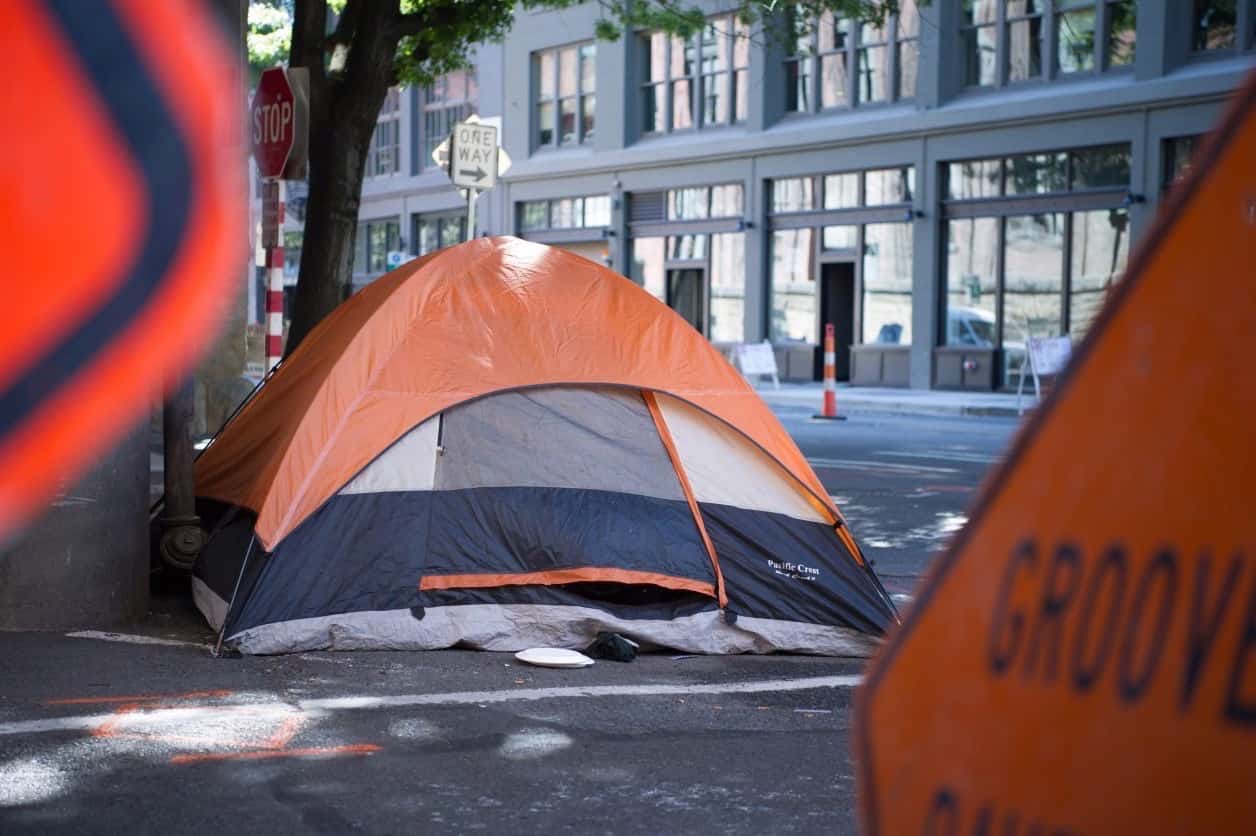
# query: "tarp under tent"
{"points": [[503, 445]]}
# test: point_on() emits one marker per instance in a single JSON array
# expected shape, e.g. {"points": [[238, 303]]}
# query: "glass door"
{"points": [[686, 294]]}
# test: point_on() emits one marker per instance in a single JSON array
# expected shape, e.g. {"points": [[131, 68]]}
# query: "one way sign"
{"points": [[473, 156]]}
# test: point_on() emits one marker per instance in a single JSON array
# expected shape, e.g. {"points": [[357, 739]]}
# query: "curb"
{"points": [[847, 407]]}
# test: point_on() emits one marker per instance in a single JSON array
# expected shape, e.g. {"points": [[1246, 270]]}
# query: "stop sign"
{"points": [[274, 115]]}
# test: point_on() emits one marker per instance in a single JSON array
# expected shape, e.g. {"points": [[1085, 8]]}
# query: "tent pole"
{"points": [[222, 631]]}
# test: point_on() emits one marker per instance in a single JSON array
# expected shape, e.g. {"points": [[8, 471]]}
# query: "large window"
{"points": [[972, 282], [701, 202], [648, 265], [1214, 25], [565, 213], [728, 288], [564, 82], [434, 232], [384, 155], [860, 216], [887, 283], [1004, 41], [1177, 154], [292, 240], [375, 240], [449, 100], [702, 81], [793, 286], [715, 265], [874, 188], [1034, 243], [835, 62]]}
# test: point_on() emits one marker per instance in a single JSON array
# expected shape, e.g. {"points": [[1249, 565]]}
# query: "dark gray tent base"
{"points": [[516, 626]]}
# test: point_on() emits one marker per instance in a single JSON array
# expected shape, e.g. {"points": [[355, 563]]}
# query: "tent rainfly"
{"points": [[503, 445]]}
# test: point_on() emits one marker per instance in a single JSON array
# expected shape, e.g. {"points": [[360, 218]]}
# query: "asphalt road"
{"points": [[106, 736], [904, 482]]}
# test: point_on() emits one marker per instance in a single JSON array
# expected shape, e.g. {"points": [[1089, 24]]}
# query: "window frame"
{"points": [[442, 220], [1244, 36], [446, 110], [1051, 14], [819, 219], [1068, 201], [549, 231], [383, 158], [812, 57], [726, 45], [581, 97], [362, 250]]}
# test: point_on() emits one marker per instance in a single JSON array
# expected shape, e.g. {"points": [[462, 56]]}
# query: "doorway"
{"points": [[837, 306], [686, 295]]}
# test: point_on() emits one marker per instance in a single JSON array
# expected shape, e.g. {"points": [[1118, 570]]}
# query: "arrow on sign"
{"points": [[477, 172]]}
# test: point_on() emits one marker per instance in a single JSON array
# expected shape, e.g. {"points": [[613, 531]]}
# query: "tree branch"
{"points": [[432, 17], [347, 26]]}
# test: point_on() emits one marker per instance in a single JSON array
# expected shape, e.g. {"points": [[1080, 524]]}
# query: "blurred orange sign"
{"points": [[122, 224], [1083, 659]]}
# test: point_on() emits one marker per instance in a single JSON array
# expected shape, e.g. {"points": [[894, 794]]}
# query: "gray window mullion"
{"points": [[1002, 70], [697, 84], [859, 280], [1047, 41], [1102, 22], [558, 107], [813, 80], [1001, 238], [1066, 285], [667, 85], [852, 65], [891, 46], [1079, 201]]}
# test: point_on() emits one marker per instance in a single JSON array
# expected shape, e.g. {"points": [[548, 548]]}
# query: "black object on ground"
{"points": [[613, 647]]}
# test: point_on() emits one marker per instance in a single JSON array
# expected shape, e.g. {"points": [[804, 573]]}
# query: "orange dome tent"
{"points": [[503, 444]]}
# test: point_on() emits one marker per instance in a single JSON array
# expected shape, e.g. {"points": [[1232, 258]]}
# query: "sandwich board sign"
{"points": [[757, 359], [1082, 660], [1045, 356], [1049, 355]]}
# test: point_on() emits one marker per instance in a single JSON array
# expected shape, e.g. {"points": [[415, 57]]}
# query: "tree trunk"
{"points": [[331, 218], [343, 113]]}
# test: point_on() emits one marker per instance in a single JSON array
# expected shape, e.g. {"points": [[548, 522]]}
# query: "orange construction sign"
{"points": [[1083, 658], [122, 223]]}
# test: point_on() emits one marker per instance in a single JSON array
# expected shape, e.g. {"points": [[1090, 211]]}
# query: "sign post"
{"points": [[280, 127], [473, 163]]}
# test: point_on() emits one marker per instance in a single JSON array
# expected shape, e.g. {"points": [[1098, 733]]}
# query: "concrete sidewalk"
{"points": [[863, 399]]}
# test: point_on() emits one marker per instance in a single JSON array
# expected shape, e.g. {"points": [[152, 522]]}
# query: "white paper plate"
{"points": [[553, 657]]}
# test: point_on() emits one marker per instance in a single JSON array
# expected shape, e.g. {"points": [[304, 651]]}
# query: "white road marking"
{"points": [[129, 638], [528, 694], [368, 703], [943, 455], [854, 464]]}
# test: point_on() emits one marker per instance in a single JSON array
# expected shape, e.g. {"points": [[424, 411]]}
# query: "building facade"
{"points": [[941, 188]]}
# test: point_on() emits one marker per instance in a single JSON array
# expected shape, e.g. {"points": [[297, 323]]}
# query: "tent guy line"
{"points": [[365, 703]]}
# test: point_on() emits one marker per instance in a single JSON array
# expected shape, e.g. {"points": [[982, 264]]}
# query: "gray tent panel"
{"points": [[588, 439]]}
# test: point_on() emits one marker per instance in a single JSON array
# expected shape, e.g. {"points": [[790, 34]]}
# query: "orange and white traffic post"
{"points": [[829, 409]]}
